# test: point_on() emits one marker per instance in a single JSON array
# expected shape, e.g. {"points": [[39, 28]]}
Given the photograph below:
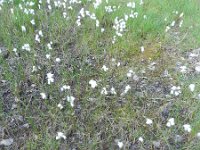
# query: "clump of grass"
{"points": [[89, 75]]}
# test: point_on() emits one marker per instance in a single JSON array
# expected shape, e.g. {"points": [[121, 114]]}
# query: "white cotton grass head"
{"points": [[112, 91], [130, 73], [14, 50], [181, 15], [149, 121], [60, 135], [23, 28], [118, 64], [198, 135], [43, 95], [127, 88], [173, 23], [141, 139], [104, 91], [197, 69], [48, 56], [175, 90], [26, 47], [32, 22], [71, 100], [167, 28], [50, 78], [104, 68], [49, 45], [141, 2], [60, 106], [192, 87], [34, 69], [183, 69], [65, 87], [131, 4], [58, 60], [37, 38], [120, 144], [142, 49], [170, 122], [40, 33], [187, 127], [93, 83]]}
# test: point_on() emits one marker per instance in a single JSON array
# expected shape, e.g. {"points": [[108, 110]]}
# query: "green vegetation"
{"points": [[54, 52]]}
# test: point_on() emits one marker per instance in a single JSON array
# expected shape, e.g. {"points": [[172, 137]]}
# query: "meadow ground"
{"points": [[99, 74]]}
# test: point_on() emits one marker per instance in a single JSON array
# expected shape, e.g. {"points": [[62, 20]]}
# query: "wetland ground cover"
{"points": [[99, 74]]}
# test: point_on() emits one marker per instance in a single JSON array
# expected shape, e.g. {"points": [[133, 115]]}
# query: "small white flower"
{"points": [[141, 139], [60, 106], [71, 100], [93, 83], [170, 122], [43, 95], [120, 144], [60, 135], [50, 77], [192, 87], [104, 68], [149, 121], [187, 127]]}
